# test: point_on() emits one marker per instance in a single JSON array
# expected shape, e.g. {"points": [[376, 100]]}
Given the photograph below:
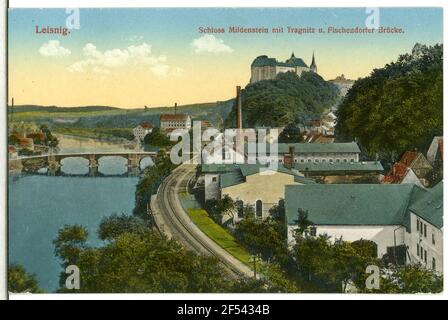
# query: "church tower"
{"points": [[313, 65]]}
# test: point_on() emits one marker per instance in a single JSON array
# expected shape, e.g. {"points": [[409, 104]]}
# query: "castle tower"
{"points": [[313, 65]]}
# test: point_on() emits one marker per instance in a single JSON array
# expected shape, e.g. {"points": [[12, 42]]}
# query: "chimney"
{"points": [[288, 158], [239, 113], [175, 108]]}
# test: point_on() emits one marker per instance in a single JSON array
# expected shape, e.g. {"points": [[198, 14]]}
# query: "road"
{"points": [[171, 219]]}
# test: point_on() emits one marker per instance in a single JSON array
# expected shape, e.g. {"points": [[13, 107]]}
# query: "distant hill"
{"points": [[113, 117], [284, 100]]}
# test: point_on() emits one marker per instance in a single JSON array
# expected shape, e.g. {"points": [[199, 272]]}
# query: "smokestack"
{"points": [[288, 159], [239, 113], [175, 108]]}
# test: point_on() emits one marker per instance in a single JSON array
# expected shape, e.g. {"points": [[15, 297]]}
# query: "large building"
{"points": [[170, 122], [265, 68], [307, 152], [249, 184], [404, 220]]}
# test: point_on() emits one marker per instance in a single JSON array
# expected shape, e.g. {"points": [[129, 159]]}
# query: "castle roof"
{"points": [[265, 61]]}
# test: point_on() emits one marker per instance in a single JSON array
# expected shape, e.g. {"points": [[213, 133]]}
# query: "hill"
{"points": [[398, 107], [112, 117], [284, 100]]}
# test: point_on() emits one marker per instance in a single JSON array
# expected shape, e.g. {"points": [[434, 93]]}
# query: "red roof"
{"points": [[408, 157], [396, 173], [146, 125], [173, 117]]}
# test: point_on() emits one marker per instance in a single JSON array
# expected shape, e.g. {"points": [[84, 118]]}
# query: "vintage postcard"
{"points": [[225, 150]]}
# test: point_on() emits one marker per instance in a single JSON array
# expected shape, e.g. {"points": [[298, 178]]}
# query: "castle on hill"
{"points": [[265, 68]]}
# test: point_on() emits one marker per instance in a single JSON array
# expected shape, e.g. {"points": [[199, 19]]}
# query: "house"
{"points": [[435, 150], [170, 122], [142, 130], [417, 162], [396, 217], [400, 173], [424, 236], [307, 152], [12, 152], [253, 184]]}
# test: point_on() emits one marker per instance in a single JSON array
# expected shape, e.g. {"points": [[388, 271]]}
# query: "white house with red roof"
{"points": [[142, 130]]}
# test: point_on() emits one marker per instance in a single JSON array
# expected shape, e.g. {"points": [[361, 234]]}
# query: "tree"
{"points": [[140, 262], [157, 138], [265, 237], [20, 281], [50, 140], [113, 226], [219, 207], [398, 107], [290, 134], [334, 265], [70, 242], [408, 279], [280, 101], [150, 179], [303, 224]]}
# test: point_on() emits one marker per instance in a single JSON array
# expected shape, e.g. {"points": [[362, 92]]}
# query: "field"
{"points": [[220, 235]]}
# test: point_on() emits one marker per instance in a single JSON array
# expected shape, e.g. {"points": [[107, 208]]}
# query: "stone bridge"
{"points": [[53, 161]]}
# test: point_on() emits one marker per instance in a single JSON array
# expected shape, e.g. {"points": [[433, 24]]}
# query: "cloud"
{"points": [[102, 62], [136, 38], [210, 44], [53, 49]]}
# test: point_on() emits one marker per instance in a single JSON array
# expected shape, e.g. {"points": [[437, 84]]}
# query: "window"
{"points": [[259, 208], [433, 263], [433, 239], [214, 179], [323, 160], [331, 160], [421, 252], [426, 256], [313, 231], [418, 225], [337, 160], [418, 250], [345, 160], [302, 160], [352, 160], [240, 208], [425, 231]]}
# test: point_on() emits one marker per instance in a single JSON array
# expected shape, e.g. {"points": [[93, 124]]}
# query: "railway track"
{"points": [[183, 229]]}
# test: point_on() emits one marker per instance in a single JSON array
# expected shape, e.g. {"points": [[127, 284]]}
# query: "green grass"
{"points": [[220, 235]]}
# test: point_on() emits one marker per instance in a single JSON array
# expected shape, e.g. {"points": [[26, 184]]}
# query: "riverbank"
{"points": [[112, 135]]}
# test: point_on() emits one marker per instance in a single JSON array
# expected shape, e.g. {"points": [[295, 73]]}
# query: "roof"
{"points": [[351, 204], [408, 158], [345, 147], [173, 117], [146, 125], [265, 61], [430, 206], [232, 174], [370, 166], [396, 173]]}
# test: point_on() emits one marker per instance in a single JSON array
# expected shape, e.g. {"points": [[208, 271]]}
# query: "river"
{"points": [[40, 205]]}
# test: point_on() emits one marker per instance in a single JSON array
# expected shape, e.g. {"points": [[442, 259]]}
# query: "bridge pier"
{"points": [[54, 171], [93, 162], [133, 161], [93, 171]]}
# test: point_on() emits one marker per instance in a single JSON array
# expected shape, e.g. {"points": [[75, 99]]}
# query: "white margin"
{"points": [[185, 4]]}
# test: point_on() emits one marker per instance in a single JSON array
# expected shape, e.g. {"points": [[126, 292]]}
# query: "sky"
{"points": [[131, 58]]}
